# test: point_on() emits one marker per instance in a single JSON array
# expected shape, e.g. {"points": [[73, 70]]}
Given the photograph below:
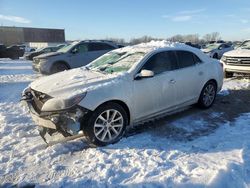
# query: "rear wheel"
{"points": [[207, 95], [14, 56], [106, 125], [228, 74], [59, 67]]}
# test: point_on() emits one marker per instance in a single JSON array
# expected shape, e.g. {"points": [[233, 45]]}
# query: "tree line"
{"points": [[193, 38]]}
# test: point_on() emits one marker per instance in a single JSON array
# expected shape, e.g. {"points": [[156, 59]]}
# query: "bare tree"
{"points": [[143, 39], [215, 36], [176, 38], [212, 36], [116, 40]]}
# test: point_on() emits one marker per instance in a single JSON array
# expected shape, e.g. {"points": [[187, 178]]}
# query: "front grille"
{"points": [[240, 61], [38, 100]]}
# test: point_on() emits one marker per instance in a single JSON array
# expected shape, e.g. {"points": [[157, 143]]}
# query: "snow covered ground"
{"points": [[191, 149]]}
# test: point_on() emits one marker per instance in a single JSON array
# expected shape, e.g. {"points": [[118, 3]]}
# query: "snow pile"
{"points": [[235, 85], [153, 45], [195, 149]]}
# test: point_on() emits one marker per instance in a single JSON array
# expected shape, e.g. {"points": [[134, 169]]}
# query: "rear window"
{"points": [[161, 62], [186, 59], [100, 46]]}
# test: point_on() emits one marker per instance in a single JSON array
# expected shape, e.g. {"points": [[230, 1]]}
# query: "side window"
{"points": [[100, 46], [46, 50], [80, 48], [197, 60], [161, 62], [222, 47], [53, 49], [105, 46], [185, 59]]}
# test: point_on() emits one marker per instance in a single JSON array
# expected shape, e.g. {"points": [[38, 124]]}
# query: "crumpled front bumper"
{"points": [[40, 121], [66, 122]]}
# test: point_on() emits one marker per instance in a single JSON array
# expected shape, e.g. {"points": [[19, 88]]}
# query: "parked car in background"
{"points": [[61, 45], [193, 45], [74, 55], [121, 45], [29, 49], [2, 50], [31, 55], [216, 50], [124, 87], [12, 52], [220, 41], [236, 44], [237, 61]]}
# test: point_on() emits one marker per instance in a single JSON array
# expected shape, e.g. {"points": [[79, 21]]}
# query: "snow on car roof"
{"points": [[155, 45]]}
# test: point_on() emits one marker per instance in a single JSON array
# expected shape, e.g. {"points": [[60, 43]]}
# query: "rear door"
{"points": [[156, 94], [189, 77]]}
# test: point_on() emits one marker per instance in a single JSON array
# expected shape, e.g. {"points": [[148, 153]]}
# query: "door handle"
{"points": [[201, 73], [172, 81]]}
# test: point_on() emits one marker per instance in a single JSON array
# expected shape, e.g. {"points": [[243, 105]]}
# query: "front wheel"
{"points": [[106, 125], [207, 95]]}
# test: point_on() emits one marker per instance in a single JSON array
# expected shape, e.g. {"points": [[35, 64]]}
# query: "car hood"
{"points": [[238, 53], [71, 82], [50, 54]]}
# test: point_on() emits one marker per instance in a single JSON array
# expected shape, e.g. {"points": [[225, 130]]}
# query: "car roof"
{"points": [[158, 46]]}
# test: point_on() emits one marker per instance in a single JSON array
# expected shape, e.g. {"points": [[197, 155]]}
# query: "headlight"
{"points": [[224, 59], [42, 62], [56, 104]]}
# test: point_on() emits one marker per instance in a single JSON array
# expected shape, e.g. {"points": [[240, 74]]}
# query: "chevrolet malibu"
{"points": [[123, 88]]}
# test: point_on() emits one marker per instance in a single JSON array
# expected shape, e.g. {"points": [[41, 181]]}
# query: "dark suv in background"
{"points": [[12, 52], [31, 55], [71, 56]]}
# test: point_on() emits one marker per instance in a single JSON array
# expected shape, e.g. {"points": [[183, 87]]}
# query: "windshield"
{"points": [[66, 48], [40, 49], [115, 62], [245, 45], [212, 46]]}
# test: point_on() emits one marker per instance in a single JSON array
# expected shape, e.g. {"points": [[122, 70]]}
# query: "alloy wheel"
{"points": [[108, 125], [209, 95]]}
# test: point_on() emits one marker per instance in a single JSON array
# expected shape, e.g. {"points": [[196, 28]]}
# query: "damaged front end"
{"points": [[55, 117]]}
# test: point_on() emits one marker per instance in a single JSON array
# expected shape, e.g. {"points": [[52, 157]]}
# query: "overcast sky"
{"points": [[96, 19]]}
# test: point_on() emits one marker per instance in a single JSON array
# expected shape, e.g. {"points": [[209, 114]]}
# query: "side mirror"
{"points": [[74, 51], [144, 74]]}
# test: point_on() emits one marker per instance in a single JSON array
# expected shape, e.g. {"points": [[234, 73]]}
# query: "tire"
{"points": [[59, 67], [228, 74], [208, 95], [215, 56], [100, 130]]}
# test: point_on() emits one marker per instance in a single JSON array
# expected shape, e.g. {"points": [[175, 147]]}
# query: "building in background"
{"points": [[31, 37]]}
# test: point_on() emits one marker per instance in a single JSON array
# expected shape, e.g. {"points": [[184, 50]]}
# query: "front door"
{"points": [[79, 55], [155, 95]]}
